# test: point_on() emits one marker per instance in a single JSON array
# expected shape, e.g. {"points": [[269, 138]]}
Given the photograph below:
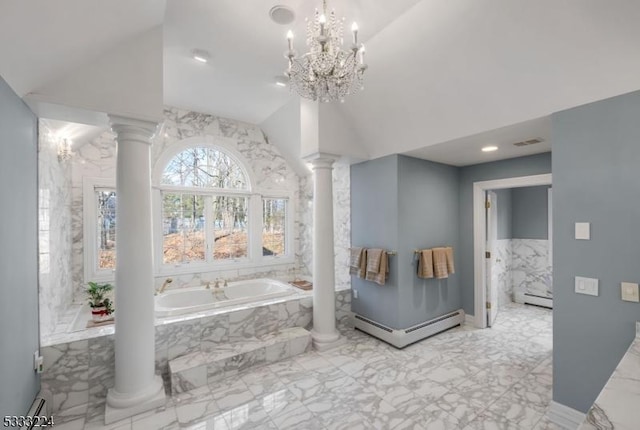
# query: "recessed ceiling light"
{"points": [[200, 55], [282, 15], [489, 148], [281, 81]]}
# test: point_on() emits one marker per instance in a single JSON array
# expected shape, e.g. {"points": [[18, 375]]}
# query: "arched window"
{"points": [[206, 216], [205, 167], [205, 207]]}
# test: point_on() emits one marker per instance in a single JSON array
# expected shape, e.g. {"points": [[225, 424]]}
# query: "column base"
{"points": [[323, 342], [121, 406]]}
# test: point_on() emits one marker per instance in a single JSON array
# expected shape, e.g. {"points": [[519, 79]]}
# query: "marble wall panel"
{"points": [[54, 232], [530, 267], [96, 159]]}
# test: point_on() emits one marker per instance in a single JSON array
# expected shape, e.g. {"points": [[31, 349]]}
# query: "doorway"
{"points": [[486, 300]]}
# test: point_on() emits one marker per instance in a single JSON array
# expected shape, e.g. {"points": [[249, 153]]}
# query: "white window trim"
{"points": [[255, 258], [90, 230]]}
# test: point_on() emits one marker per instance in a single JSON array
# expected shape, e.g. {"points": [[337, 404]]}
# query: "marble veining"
{"points": [[522, 266], [617, 404], [531, 270], [54, 233], [462, 379], [79, 370]]}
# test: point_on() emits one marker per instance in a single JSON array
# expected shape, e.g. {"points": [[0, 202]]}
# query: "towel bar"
{"points": [[389, 252]]}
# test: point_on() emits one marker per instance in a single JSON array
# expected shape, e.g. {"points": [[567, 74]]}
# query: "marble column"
{"points": [[324, 333], [137, 387]]}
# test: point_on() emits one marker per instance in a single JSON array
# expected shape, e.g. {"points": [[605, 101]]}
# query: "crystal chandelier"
{"points": [[327, 72]]}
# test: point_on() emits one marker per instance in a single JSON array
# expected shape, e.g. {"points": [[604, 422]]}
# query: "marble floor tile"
{"points": [[462, 379]]}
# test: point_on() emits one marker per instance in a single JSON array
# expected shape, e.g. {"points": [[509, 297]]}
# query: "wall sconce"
{"points": [[64, 150]]}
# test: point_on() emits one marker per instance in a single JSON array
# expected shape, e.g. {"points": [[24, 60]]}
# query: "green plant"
{"points": [[98, 296]]}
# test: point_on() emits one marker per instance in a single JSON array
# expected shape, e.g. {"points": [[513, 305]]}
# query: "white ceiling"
{"points": [[41, 41], [247, 50], [468, 150], [442, 74]]}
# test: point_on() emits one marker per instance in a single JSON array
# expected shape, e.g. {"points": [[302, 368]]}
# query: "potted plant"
{"points": [[101, 305]]}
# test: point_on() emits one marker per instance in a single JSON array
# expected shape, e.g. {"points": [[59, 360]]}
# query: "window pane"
{"points": [[106, 229], [204, 167], [230, 227], [274, 216], [183, 228]]}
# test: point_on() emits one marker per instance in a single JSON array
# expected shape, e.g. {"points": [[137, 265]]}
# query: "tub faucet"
{"points": [[164, 286], [208, 285], [217, 283], [225, 283]]}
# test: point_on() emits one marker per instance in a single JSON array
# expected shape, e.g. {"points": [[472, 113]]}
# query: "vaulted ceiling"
{"points": [[443, 75]]}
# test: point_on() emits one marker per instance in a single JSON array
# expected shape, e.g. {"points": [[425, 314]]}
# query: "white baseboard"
{"points": [[469, 320], [564, 416]]}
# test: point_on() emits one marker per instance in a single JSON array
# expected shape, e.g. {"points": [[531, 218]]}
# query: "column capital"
{"points": [[132, 129], [321, 160]]}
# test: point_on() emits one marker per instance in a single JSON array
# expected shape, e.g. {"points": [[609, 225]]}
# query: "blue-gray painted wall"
{"points": [[523, 166], [529, 212], [19, 335], [596, 179], [374, 224], [401, 203], [428, 217]]}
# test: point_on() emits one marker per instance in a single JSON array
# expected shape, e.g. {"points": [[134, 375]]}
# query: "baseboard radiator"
{"points": [[532, 299], [403, 337], [38, 409]]}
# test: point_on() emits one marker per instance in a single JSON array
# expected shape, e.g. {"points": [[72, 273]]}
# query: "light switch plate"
{"points": [[588, 286], [583, 231], [629, 292]]}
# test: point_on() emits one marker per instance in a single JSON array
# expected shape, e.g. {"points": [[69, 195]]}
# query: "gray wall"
{"points": [[428, 217], [596, 167], [523, 166], [529, 212], [504, 213], [18, 254], [402, 203], [374, 224]]}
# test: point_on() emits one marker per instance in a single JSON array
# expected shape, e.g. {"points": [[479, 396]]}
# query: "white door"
{"points": [[490, 257]]}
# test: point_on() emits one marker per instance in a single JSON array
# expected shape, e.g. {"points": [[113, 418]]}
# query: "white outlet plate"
{"points": [[588, 286], [629, 292], [583, 231], [355, 294]]}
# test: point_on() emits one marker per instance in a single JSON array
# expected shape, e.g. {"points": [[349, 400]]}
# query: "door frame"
{"points": [[479, 235]]}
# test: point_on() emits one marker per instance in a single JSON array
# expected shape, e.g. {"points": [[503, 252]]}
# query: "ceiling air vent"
{"points": [[528, 142]]}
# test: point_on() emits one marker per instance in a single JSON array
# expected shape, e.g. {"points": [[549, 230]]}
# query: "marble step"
{"points": [[203, 367]]}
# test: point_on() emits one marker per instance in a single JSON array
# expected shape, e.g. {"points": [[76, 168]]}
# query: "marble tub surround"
{"points": [[462, 379], [80, 369], [96, 159], [617, 405], [214, 363]]}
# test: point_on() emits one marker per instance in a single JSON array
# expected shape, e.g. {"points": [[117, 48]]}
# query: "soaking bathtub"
{"points": [[189, 300]]}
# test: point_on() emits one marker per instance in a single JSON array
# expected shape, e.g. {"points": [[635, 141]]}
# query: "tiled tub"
{"points": [[79, 367]]}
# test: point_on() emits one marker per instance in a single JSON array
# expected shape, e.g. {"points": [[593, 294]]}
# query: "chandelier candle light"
{"points": [[327, 72]]}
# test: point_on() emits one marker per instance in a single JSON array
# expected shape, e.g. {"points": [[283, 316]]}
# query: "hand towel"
{"points": [[358, 262], [450, 266], [425, 264], [377, 266], [440, 263]]}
